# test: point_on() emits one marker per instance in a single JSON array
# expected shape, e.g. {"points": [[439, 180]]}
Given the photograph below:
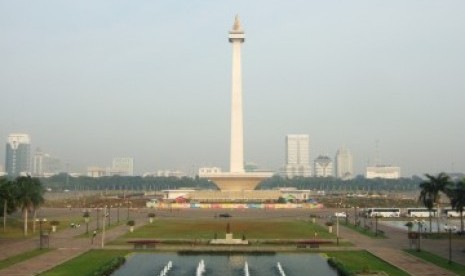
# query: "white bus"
{"points": [[383, 212], [420, 212], [450, 213]]}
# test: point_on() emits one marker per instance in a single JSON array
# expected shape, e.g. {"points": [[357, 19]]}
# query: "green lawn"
{"points": [[357, 261], [86, 264], [439, 261], [206, 229], [22, 257]]}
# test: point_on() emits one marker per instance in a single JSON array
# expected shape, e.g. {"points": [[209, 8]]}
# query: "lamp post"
{"points": [[105, 214], [118, 205], [109, 215], [450, 229], [86, 220], [420, 225], [337, 230], [40, 231], [98, 219], [355, 215], [128, 209], [376, 225]]}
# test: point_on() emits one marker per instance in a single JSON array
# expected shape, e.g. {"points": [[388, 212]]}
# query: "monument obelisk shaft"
{"points": [[236, 37]]}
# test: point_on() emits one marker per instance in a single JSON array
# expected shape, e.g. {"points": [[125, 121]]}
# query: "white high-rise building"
{"points": [[297, 156], [44, 165], [344, 164], [18, 158], [323, 166], [123, 166]]}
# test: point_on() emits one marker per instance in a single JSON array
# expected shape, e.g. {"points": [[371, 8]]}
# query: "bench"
{"points": [[144, 244]]}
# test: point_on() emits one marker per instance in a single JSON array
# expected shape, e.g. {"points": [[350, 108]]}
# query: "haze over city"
{"points": [[93, 80]]}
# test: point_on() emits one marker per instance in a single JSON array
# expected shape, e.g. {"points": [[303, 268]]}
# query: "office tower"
{"points": [[344, 164], [44, 165], [18, 159], [236, 37], [297, 156], [323, 166], [123, 166]]}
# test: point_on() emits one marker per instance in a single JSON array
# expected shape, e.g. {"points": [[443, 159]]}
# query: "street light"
{"points": [[337, 230], [40, 231], [119, 205], [109, 215], [98, 212], [450, 229], [420, 225], [86, 220], [129, 202]]}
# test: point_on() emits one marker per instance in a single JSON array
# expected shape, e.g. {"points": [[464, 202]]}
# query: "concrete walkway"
{"points": [[391, 250], [67, 244]]}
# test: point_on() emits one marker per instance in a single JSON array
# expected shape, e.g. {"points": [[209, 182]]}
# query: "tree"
{"points": [[7, 199], [29, 196], [430, 192], [456, 194]]}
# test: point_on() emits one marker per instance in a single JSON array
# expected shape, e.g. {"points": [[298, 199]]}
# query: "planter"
{"points": [[151, 220], [330, 229], [131, 229], [54, 228], [313, 220]]}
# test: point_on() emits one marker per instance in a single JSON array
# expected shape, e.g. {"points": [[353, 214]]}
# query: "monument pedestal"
{"points": [[229, 240]]}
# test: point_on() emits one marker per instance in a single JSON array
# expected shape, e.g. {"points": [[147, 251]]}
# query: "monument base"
{"points": [[229, 240], [237, 181]]}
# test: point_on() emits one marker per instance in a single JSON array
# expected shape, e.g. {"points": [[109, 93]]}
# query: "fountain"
{"points": [[221, 263], [166, 269], [200, 268], [246, 269], [280, 269]]}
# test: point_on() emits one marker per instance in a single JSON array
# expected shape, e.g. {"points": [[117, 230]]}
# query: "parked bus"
{"points": [[383, 212], [450, 213], [420, 212]]}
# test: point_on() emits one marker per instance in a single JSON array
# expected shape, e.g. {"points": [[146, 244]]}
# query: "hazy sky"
{"points": [[92, 80]]}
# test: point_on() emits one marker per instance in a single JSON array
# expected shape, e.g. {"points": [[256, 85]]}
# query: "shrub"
{"points": [[341, 269], [131, 223], [108, 268], [151, 215], [86, 214], [54, 223], [329, 223]]}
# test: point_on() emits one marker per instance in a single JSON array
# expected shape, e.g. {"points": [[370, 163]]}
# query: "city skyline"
{"points": [[90, 81]]}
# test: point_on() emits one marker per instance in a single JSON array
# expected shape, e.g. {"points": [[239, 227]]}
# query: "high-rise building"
{"points": [[123, 166], [323, 166], [297, 156], [344, 164], [17, 158], [44, 165]]}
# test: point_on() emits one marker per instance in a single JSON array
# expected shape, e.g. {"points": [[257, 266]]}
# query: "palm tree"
{"points": [[457, 198], [430, 192], [29, 195], [7, 201]]}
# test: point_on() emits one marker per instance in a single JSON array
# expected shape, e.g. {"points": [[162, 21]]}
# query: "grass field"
{"points": [[22, 257], [250, 228], [366, 232], [363, 261], [459, 269], [85, 264]]}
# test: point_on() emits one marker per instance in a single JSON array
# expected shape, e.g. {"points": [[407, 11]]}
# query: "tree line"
{"points": [[24, 193], [63, 182]]}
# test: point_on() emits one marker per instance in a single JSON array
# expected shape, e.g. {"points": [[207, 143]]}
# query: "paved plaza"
{"points": [[69, 242]]}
